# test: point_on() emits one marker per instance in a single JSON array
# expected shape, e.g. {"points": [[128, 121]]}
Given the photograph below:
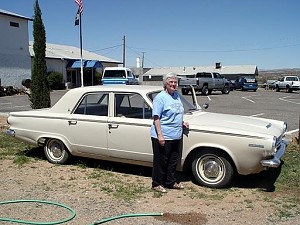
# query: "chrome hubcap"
{"points": [[211, 169], [56, 151]]}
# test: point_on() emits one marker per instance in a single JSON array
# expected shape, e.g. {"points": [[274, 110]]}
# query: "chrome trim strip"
{"points": [[224, 133]]}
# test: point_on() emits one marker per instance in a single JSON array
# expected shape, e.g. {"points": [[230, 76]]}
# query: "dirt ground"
{"points": [[249, 201]]}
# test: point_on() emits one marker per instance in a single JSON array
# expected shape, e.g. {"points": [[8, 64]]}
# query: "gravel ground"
{"points": [[249, 201]]}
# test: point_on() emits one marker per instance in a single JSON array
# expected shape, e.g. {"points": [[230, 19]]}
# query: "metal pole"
{"points": [[143, 60], [81, 61], [124, 51]]}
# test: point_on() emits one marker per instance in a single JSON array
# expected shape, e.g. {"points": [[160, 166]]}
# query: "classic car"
{"points": [[113, 123]]}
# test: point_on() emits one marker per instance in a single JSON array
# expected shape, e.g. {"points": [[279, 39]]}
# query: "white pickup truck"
{"points": [[118, 75], [204, 82], [288, 83]]}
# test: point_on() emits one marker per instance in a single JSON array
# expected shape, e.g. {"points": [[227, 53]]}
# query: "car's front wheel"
{"points": [[204, 90], [56, 152], [212, 170]]}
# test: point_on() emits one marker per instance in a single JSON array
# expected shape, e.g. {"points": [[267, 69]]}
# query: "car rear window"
{"points": [[250, 80], [114, 73]]}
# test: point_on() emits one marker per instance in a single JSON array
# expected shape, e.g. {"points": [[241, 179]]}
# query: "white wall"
{"points": [[15, 60]]}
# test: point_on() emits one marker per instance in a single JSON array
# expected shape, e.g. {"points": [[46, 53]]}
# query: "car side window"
{"points": [[216, 75], [132, 105], [93, 104]]}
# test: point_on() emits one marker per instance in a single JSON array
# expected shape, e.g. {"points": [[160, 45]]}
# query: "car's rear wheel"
{"points": [[226, 90], [212, 170], [288, 89], [56, 152], [277, 88]]}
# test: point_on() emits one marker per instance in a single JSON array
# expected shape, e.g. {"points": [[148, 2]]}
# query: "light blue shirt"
{"points": [[170, 110]]}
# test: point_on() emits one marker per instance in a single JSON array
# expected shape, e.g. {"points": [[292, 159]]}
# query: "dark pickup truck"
{"points": [[204, 82]]}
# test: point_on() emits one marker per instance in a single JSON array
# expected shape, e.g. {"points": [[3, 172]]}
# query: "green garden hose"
{"points": [[71, 217], [126, 216], [39, 223]]}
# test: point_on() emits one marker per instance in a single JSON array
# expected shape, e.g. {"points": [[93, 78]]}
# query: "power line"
{"points": [[217, 51]]}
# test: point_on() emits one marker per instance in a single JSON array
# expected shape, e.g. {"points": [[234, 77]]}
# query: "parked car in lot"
{"points": [[288, 83], [118, 75], [246, 83], [269, 84], [113, 123], [204, 82]]}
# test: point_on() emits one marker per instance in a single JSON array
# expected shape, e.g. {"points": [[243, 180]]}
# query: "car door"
{"points": [[219, 83], [88, 126], [129, 128]]}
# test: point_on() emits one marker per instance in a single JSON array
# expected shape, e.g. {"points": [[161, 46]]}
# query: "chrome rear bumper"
{"points": [[10, 132], [275, 161]]}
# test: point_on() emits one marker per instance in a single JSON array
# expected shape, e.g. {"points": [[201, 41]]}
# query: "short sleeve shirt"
{"points": [[170, 110]]}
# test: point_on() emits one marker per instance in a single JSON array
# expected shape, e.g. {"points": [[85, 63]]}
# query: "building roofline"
{"points": [[7, 13]]}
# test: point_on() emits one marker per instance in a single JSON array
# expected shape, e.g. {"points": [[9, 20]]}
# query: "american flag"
{"points": [[80, 5]]}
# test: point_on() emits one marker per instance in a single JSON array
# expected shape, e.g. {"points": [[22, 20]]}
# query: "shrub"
{"points": [[55, 80]]}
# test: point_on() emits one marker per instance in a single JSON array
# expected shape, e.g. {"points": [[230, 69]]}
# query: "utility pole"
{"points": [[143, 60], [124, 51]]}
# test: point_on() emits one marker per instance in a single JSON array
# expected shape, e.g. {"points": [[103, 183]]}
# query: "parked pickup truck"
{"points": [[288, 83], [204, 82], [118, 75]]}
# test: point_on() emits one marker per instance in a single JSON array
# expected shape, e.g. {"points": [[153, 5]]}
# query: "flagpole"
{"points": [[81, 61]]}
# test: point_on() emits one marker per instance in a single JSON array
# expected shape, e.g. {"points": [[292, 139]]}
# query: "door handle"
{"points": [[111, 126], [72, 122]]}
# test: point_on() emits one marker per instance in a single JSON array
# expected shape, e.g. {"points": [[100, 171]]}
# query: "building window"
{"points": [[14, 24]]}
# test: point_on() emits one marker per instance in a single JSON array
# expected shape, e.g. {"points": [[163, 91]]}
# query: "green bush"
{"points": [[55, 80]]}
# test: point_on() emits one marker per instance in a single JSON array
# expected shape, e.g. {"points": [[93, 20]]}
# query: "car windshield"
{"points": [[188, 106]]}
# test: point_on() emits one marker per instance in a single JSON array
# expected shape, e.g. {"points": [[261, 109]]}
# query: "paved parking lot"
{"points": [[263, 103]]}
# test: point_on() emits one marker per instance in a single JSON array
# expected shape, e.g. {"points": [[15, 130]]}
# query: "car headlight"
{"points": [[274, 143], [284, 127]]}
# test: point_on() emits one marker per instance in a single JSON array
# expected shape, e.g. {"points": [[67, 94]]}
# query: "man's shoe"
{"points": [[159, 188], [177, 186]]}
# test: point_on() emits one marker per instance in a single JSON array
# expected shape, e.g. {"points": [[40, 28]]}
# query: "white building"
{"points": [[66, 60], [16, 55], [154, 76], [15, 59]]}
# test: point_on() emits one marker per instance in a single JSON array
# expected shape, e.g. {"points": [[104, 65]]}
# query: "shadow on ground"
{"points": [[264, 180]]}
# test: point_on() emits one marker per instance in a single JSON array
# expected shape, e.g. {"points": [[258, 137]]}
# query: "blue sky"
{"points": [[265, 33]]}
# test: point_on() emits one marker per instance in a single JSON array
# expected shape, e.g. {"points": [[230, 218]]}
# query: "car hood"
{"points": [[234, 124]]}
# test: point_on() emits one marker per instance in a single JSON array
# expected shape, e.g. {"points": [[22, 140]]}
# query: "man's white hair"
{"points": [[169, 76]]}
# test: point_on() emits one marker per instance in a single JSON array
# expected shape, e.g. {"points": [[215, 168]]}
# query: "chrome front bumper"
{"points": [[275, 161], [10, 132]]}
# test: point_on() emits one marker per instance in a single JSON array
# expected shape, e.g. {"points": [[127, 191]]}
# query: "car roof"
{"points": [[117, 87], [70, 98]]}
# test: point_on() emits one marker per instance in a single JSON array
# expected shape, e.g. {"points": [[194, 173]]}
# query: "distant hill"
{"points": [[264, 75]]}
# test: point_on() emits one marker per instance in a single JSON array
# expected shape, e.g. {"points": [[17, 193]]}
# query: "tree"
{"points": [[39, 91]]}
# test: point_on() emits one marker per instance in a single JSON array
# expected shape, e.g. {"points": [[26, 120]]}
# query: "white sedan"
{"points": [[113, 123]]}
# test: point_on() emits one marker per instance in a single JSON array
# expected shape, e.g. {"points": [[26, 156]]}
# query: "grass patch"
{"points": [[113, 184], [289, 176], [11, 148]]}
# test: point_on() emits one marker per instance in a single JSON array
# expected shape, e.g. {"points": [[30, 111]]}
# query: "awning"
{"points": [[86, 64]]}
